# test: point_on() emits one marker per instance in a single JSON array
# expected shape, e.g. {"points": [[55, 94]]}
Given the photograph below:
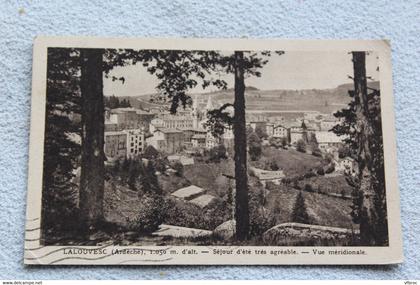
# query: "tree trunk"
{"points": [[365, 132], [92, 166], [239, 129]]}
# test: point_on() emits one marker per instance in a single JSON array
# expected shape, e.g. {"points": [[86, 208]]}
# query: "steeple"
{"points": [[209, 105], [194, 112], [195, 104]]}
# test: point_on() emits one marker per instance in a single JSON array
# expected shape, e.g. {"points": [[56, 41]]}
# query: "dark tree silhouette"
{"points": [[241, 64], [361, 123], [61, 150], [254, 146], [301, 146], [239, 131], [92, 165], [299, 212]]}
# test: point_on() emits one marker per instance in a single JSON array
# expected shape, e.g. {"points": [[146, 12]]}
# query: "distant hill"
{"points": [[323, 100]]}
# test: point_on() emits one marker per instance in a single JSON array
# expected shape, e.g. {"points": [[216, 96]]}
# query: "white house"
{"points": [[135, 142], [265, 176], [167, 140], [327, 140], [280, 132]]}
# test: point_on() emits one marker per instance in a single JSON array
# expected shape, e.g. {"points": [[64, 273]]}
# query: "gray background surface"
{"points": [[21, 21]]}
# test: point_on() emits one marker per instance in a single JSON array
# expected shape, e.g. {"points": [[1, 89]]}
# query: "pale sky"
{"points": [[292, 70]]}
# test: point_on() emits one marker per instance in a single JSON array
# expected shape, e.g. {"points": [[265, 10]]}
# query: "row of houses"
{"points": [[127, 119], [295, 131], [128, 131], [125, 143]]}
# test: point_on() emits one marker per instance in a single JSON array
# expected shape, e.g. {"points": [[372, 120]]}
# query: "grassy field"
{"points": [[291, 161], [171, 183], [330, 185], [323, 210], [210, 176]]}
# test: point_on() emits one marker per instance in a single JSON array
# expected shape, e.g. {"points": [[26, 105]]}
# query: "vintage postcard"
{"points": [[212, 151]]}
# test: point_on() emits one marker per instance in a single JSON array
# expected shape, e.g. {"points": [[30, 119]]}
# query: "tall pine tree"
{"points": [[361, 123], [299, 212], [61, 146]]}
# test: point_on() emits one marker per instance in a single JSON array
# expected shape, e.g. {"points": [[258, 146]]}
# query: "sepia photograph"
{"points": [[221, 147]]}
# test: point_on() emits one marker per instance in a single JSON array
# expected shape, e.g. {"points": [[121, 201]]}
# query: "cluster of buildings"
{"points": [[128, 131], [303, 127], [194, 195]]}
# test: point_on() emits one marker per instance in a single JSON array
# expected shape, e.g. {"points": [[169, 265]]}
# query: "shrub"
{"points": [[317, 152], [270, 185], [178, 167], [185, 214], [259, 219], [160, 165], [330, 168], [151, 214], [343, 151], [320, 171], [308, 188], [150, 152], [261, 132], [309, 174], [274, 166], [274, 142], [217, 153], [254, 146], [301, 146], [284, 142]]}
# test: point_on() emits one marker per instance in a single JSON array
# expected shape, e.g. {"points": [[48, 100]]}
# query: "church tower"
{"points": [[209, 105], [194, 113]]}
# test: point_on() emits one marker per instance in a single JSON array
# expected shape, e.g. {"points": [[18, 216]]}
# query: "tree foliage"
{"points": [[61, 144], [137, 175], [301, 146], [299, 212], [114, 102], [254, 146], [261, 132], [217, 153], [362, 126]]}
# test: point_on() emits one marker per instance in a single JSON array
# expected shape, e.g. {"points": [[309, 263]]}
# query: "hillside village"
{"points": [[194, 170]]}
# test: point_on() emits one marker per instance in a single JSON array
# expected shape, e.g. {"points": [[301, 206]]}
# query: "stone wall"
{"points": [[304, 234]]}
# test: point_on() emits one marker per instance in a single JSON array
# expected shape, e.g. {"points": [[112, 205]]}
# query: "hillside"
{"points": [[323, 210], [323, 100], [290, 161]]}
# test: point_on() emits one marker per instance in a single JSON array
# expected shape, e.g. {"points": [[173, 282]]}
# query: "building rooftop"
{"points": [[348, 158], [280, 126], [114, 133], [203, 200], [262, 174], [142, 112], [168, 131], [328, 137], [123, 110], [198, 130], [189, 192], [198, 137]]}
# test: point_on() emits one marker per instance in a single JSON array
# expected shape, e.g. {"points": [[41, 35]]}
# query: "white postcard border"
{"points": [[38, 254]]}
